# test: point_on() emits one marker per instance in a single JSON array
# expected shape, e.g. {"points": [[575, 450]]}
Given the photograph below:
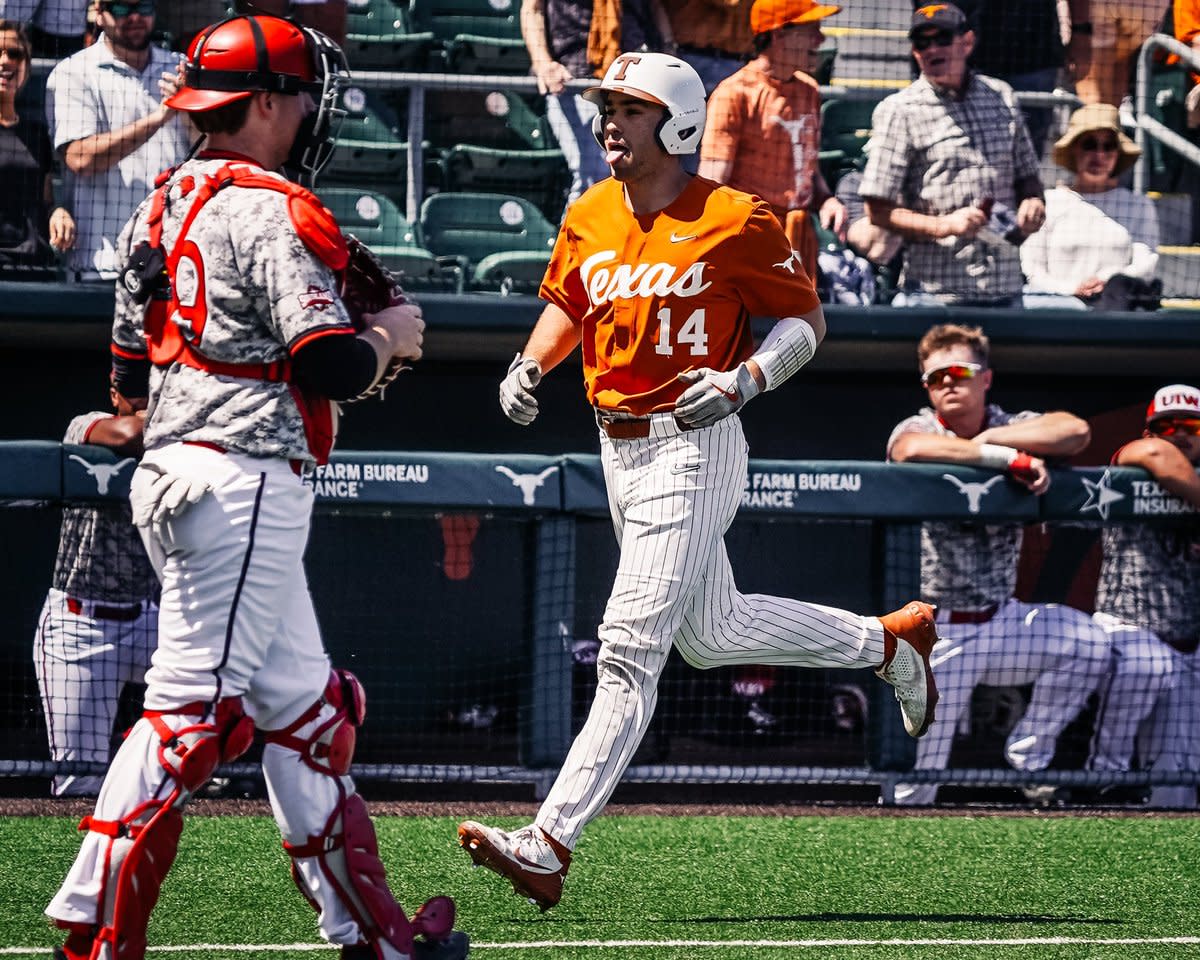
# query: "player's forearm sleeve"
{"points": [[336, 367], [789, 346]]}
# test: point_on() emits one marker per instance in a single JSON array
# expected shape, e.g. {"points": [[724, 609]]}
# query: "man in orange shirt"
{"points": [[657, 274], [763, 134]]}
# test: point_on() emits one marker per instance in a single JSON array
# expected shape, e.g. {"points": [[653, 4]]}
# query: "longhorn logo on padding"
{"points": [[527, 483], [102, 473], [974, 492]]}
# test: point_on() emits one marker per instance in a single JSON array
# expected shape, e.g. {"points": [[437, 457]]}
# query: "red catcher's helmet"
{"points": [[237, 57]]}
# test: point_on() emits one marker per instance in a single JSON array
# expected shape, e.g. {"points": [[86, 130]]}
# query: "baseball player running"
{"points": [[1148, 602], [657, 274], [230, 296], [98, 624], [970, 570]]}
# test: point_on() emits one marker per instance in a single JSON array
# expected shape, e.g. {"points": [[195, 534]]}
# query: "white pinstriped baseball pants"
{"points": [[672, 496]]}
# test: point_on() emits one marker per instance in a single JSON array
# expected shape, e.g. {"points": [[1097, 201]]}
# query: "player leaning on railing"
{"points": [[1148, 602], [230, 306]]}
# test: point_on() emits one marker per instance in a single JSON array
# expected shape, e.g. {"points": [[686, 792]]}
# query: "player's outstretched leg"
{"points": [[329, 836], [908, 639], [534, 862]]}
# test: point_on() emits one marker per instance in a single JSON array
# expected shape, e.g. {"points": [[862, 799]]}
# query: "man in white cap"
{"points": [[1148, 601]]}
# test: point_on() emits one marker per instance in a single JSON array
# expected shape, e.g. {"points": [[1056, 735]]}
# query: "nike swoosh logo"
{"points": [[731, 394], [675, 239], [684, 467], [533, 866]]}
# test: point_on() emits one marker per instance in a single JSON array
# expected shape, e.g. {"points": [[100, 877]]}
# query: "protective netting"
{"points": [[457, 163], [474, 634]]}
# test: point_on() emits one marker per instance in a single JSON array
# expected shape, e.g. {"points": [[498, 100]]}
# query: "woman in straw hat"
{"points": [[1099, 245]]}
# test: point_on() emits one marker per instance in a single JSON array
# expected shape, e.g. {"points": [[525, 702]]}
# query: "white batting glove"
{"points": [[714, 394], [168, 497], [516, 390]]}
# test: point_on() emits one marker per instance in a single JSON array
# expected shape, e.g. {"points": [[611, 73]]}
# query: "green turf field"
{"points": [[717, 888]]}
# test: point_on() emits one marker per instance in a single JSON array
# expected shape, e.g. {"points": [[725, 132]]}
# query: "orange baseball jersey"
{"points": [[771, 130], [671, 291]]}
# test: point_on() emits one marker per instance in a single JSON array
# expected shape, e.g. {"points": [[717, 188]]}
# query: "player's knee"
{"points": [[325, 734], [192, 749]]}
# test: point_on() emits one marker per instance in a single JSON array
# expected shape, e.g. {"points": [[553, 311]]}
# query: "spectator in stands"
{"points": [[970, 569], [570, 39], [1021, 43], [99, 623], [112, 129], [29, 231], [712, 35], [1185, 21], [954, 173], [57, 28], [1119, 28], [763, 129], [877, 244], [1099, 245], [1148, 601]]}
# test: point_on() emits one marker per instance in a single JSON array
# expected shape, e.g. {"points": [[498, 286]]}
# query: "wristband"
{"points": [[1022, 465], [997, 456]]}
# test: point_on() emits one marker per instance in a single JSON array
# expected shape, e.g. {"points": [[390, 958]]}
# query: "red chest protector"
{"points": [[178, 309]]}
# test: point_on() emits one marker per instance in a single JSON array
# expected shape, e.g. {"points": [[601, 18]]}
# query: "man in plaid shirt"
{"points": [[953, 170]]}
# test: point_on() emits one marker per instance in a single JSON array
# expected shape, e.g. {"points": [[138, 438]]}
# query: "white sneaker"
{"points": [[531, 859]]}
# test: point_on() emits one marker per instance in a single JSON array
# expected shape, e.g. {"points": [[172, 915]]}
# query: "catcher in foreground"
{"points": [[233, 317]]}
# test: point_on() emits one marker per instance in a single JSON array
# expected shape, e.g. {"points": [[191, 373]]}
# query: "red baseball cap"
{"points": [[768, 15]]}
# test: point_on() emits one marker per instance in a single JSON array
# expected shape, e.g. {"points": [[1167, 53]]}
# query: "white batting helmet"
{"points": [[662, 79]]}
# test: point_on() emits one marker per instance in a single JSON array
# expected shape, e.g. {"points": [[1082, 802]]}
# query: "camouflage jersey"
{"points": [[265, 295], [1150, 578], [966, 566], [100, 554]]}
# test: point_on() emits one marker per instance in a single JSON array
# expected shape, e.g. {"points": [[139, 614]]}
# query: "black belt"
{"points": [[106, 611], [969, 616], [711, 52]]}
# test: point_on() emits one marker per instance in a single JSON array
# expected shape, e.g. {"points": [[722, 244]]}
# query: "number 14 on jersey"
{"points": [[692, 333]]}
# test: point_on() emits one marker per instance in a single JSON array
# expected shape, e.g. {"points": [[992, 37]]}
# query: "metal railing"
{"points": [[1148, 126]]}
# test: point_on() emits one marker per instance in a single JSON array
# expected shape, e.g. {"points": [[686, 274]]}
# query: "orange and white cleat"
{"points": [[910, 636], [532, 860]]}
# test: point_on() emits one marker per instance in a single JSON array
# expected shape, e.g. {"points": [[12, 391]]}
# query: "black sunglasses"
{"points": [[942, 38], [16, 54], [144, 8], [1095, 143]]}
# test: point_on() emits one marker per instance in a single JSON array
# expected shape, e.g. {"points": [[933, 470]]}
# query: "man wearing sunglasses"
{"points": [[112, 129], [1148, 602], [950, 153], [988, 636]]}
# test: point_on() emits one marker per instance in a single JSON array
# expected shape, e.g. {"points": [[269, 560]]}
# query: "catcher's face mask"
{"points": [[316, 139]]}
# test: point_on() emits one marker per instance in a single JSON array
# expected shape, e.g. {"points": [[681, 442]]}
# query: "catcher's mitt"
{"points": [[368, 287]]}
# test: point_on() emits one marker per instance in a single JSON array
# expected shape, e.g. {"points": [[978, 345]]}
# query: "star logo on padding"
{"points": [[1100, 495]]}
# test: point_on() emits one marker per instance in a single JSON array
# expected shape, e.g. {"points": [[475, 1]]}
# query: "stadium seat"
{"points": [[369, 142], [504, 235], [845, 129], [493, 140], [477, 36], [378, 37], [375, 220]]}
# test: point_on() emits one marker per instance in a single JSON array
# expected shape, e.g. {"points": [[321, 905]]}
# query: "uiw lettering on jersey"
{"points": [[606, 281]]}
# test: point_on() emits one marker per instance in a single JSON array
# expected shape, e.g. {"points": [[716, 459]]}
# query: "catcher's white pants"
{"points": [[82, 665], [236, 619], [1143, 668], [672, 496], [1056, 648]]}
